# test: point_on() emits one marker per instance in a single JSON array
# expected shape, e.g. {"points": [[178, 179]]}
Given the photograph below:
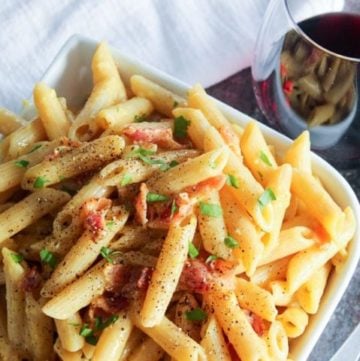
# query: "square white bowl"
{"points": [[70, 75]]}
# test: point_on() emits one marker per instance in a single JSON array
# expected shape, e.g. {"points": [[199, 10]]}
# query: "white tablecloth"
{"points": [[195, 40]]}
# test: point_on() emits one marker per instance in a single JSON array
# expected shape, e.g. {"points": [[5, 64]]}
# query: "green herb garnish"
{"points": [[100, 324], [211, 210], [126, 179], [22, 163], [211, 258], [180, 127], [266, 198], [16, 257], [154, 197], [174, 208], [48, 258], [140, 118], [232, 181], [35, 148], [265, 158], [106, 253], [197, 314], [193, 251], [231, 242], [40, 182], [175, 104]]}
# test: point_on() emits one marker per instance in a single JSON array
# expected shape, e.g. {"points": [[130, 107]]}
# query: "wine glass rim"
{"points": [[308, 38]]}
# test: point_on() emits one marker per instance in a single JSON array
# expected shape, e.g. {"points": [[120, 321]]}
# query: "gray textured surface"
{"points": [[237, 92]]}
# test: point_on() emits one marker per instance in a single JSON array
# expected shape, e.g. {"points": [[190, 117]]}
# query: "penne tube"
{"points": [[113, 339], [77, 295], [294, 321], [241, 227], [279, 181], [88, 351], [17, 143], [318, 202], [167, 271], [248, 345], [83, 254], [13, 171], [197, 98], [9, 122], [298, 154], [214, 343], [40, 329], [87, 157], [163, 99], [66, 355], [108, 90], [257, 154], [50, 111], [15, 299], [29, 210], [120, 115], [134, 341], [277, 341], [213, 230], [190, 173], [69, 333], [149, 350], [255, 299]]}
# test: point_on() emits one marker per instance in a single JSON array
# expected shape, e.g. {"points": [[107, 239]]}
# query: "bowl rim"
{"points": [[323, 170]]}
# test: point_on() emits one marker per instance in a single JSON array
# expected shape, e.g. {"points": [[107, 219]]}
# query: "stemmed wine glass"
{"points": [[306, 71]]}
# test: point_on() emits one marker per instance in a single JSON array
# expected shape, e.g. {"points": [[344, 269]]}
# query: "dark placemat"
{"points": [[237, 92]]}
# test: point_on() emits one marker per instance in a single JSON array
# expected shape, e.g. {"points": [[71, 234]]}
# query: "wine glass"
{"points": [[305, 74]]}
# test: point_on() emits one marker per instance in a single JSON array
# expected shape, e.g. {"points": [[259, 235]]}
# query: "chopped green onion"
{"points": [[48, 258], [100, 324], [175, 104], [22, 163], [231, 180], [180, 127], [16, 257], [139, 151], [174, 208], [40, 182], [154, 197], [166, 166], [86, 330], [211, 210], [266, 198], [36, 147], [231, 242], [265, 158], [92, 340], [110, 224], [106, 253], [193, 251], [211, 258], [140, 118], [197, 314], [126, 179]]}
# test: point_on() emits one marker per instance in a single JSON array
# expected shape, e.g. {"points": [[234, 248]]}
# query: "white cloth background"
{"points": [[194, 40]]}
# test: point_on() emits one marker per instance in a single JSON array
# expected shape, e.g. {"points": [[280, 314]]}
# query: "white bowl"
{"points": [[70, 75]]}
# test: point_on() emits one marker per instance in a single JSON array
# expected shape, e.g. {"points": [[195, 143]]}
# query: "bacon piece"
{"points": [[93, 212], [257, 324], [141, 204], [159, 133], [31, 280], [144, 279], [202, 188], [108, 304], [115, 277], [195, 277]]}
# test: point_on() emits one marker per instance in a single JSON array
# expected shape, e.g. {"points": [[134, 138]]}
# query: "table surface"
{"points": [[237, 92]]}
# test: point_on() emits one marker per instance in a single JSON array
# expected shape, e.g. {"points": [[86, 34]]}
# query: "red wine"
{"points": [[337, 32]]}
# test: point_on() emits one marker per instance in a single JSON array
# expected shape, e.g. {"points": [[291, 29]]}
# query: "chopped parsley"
{"points": [[193, 251], [154, 197], [180, 127], [232, 181], [100, 324], [110, 224], [211, 210], [22, 163], [265, 158], [197, 314], [48, 257], [17, 257], [35, 148], [266, 198], [126, 179], [88, 333], [40, 182], [211, 258], [231, 242], [106, 253]]}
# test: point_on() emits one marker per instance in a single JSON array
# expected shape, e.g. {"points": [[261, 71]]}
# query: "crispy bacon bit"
{"points": [[195, 277], [159, 133], [184, 205], [141, 204], [144, 279], [221, 266], [257, 324], [93, 214], [115, 277], [288, 87], [230, 137], [31, 280], [202, 188], [107, 304]]}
